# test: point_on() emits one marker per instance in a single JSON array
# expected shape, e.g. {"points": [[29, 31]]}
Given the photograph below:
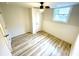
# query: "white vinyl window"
{"points": [[61, 14]]}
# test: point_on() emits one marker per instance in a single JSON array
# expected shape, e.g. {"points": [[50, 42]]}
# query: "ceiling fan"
{"points": [[42, 6]]}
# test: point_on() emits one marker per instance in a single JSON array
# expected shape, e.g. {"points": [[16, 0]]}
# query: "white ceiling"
{"points": [[53, 4], [62, 4], [37, 4]]}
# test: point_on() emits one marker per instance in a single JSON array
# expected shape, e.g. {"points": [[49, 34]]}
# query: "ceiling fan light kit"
{"points": [[41, 10]]}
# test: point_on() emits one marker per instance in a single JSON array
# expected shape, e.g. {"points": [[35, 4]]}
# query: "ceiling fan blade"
{"points": [[41, 7], [41, 3], [47, 7]]}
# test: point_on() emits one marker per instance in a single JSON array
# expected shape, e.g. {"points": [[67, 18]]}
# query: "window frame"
{"points": [[60, 21]]}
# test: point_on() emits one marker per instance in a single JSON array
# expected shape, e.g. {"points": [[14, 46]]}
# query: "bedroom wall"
{"points": [[67, 32], [75, 48], [17, 19]]}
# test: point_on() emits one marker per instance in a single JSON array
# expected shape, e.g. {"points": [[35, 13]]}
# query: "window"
{"points": [[61, 14]]}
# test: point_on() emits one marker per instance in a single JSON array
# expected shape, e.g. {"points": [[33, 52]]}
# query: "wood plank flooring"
{"points": [[40, 44]]}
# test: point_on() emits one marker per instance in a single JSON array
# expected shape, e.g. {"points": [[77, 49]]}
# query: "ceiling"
{"points": [[37, 4]]}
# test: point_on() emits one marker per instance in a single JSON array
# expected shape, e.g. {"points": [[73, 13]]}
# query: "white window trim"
{"points": [[67, 16]]}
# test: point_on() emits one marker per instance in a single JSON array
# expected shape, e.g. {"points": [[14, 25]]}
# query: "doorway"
{"points": [[36, 20]]}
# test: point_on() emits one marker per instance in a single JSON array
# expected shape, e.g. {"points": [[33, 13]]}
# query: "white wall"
{"points": [[17, 19], [67, 32], [74, 16], [75, 48]]}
